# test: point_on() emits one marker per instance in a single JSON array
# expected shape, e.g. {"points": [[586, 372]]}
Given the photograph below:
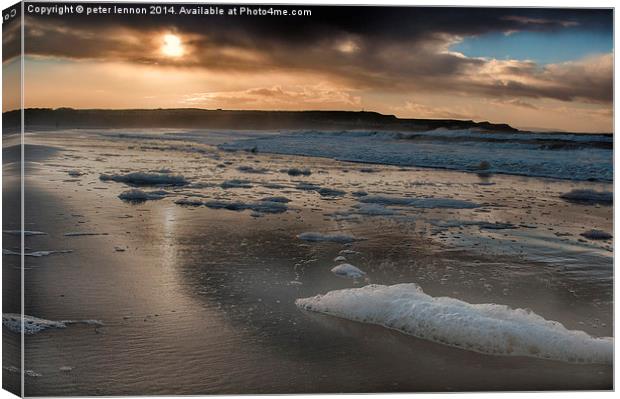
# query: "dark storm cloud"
{"points": [[395, 23], [390, 48]]}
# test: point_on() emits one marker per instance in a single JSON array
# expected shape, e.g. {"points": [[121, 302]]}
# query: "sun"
{"points": [[172, 46]]}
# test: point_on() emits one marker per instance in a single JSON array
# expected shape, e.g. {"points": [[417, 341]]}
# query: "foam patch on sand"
{"points": [[464, 223], [84, 233], [297, 172], [17, 370], [236, 183], [497, 226], [189, 202], [427, 203], [347, 270], [484, 328], [261, 206], [589, 197], [282, 200], [36, 254], [316, 237], [597, 235], [146, 179], [369, 210], [251, 169], [330, 192], [307, 186], [26, 233], [33, 325], [373, 210], [137, 195]]}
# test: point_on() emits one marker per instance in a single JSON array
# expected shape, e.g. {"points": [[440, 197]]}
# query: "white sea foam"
{"points": [[341, 238], [268, 207], [307, 186], [364, 210], [84, 233], [17, 370], [596, 235], [274, 186], [261, 206], [283, 200], [297, 172], [497, 226], [480, 224], [418, 202], [189, 202], [33, 325], [330, 192], [453, 223], [589, 197], [200, 185], [484, 328], [36, 254], [236, 183], [347, 270], [146, 179], [373, 210], [137, 195], [26, 233], [251, 169]]}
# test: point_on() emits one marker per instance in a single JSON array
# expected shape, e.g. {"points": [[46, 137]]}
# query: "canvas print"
{"points": [[210, 198]]}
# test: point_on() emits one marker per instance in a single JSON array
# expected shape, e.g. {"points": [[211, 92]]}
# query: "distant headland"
{"points": [[46, 118]]}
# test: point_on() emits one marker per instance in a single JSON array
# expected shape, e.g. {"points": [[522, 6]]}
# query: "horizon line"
{"points": [[521, 129]]}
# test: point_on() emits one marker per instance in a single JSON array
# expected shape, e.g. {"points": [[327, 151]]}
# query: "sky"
{"points": [[535, 68]]}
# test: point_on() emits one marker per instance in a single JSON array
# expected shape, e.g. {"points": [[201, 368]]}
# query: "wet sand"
{"points": [[197, 300]]}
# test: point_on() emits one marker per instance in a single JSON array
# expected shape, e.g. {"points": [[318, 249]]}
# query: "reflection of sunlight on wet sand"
{"points": [[169, 245], [143, 300]]}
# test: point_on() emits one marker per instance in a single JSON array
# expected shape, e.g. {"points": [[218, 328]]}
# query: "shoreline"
{"points": [[84, 335], [193, 286]]}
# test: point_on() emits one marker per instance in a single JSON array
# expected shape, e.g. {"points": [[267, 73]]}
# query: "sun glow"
{"points": [[172, 46]]}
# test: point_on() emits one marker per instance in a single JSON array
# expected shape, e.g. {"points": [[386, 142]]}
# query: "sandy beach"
{"points": [[177, 262], [307, 199]]}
